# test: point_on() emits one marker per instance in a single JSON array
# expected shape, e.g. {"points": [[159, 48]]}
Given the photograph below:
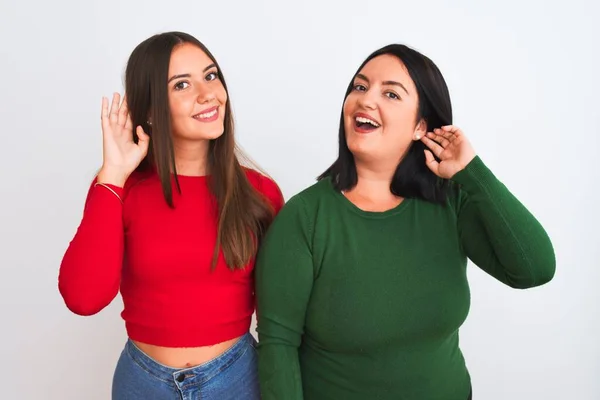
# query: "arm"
{"points": [[498, 233], [90, 272], [284, 277]]}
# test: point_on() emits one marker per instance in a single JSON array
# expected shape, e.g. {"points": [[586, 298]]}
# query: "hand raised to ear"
{"points": [[451, 147], [121, 155]]}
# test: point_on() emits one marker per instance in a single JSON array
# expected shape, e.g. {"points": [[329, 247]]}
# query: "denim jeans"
{"points": [[233, 375]]}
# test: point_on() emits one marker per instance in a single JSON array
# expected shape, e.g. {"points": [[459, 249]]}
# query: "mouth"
{"points": [[208, 115], [364, 123]]}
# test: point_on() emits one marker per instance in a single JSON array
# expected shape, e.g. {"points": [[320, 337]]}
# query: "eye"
{"points": [[211, 76], [359, 88], [181, 85], [392, 95]]}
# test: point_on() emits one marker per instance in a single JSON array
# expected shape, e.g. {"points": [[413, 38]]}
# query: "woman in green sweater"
{"points": [[361, 280]]}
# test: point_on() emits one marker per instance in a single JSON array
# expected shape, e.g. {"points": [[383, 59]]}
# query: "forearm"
{"points": [[282, 299], [278, 367], [90, 271], [497, 230]]}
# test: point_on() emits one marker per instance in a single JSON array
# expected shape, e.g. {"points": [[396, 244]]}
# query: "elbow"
{"points": [[535, 281], [547, 274], [83, 292], [83, 302], [540, 266], [81, 306], [83, 309], [540, 274]]}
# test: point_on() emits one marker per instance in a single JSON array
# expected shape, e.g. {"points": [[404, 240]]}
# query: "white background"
{"points": [[523, 76]]}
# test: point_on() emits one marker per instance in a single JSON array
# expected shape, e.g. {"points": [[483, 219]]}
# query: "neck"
{"points": [[191, 158], [374, 180]]}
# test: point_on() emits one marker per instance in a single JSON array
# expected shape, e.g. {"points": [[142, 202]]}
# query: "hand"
{"points": [[451, 147], [121, 155]]}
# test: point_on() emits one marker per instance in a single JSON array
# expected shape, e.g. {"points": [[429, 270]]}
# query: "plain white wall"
{"points": [[523, 76]]}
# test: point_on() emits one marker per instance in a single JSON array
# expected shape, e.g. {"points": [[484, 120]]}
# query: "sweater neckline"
{"points": [[369, 214]]}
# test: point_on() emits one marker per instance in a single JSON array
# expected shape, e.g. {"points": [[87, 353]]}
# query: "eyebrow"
{"points": [[189, 75], [394, 83]]}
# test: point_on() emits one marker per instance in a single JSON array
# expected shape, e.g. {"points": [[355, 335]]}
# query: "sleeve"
{"points": [[498, 233], [90, 271], [284, 279]]}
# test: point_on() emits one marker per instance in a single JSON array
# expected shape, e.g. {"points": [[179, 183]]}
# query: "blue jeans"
{"points": [[233, 375]]}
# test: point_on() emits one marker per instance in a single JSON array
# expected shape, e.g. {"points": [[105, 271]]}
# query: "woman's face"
{"points": [[197, 97], [380, 113]]}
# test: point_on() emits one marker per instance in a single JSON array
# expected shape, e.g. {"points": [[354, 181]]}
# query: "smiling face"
{"points": [[380, 113], [197, 97]]}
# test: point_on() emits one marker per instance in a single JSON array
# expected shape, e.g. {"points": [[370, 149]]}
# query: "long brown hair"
{"points": [[243, 213]]}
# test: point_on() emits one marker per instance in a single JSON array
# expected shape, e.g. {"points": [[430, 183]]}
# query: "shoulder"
{"points": [[310, 200], [300, 213], [135, 179], [316, 193], [267, 187]]}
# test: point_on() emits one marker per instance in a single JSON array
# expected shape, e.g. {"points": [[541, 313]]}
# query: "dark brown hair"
{"points": [[243, 213], [412, 179]]}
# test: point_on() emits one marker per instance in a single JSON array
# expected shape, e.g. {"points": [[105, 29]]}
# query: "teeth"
{"points": [[363, 120], [206, 115]]}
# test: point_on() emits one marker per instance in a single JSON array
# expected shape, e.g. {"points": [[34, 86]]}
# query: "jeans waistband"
{"points": [[195, 375]]}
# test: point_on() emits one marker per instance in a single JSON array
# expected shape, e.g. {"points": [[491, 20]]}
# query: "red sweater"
{"points": [[160, 259]]}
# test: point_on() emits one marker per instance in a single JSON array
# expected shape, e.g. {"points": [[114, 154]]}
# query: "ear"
{"points": [[420, 130]]}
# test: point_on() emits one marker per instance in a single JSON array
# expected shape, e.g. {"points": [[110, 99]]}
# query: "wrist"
{"points": [[112, 176]]}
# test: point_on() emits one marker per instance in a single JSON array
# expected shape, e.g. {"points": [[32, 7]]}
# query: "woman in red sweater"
{"points": [[173, 221]]}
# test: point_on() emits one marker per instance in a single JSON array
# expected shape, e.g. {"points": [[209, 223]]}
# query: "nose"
{"points": [[368, 99], [205, 95]]}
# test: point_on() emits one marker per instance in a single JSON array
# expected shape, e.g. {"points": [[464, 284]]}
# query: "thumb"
{"points": [[432, 164], [143, 138]]}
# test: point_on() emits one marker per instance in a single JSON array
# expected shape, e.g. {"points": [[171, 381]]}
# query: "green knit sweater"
{"points": [[368, 305]]}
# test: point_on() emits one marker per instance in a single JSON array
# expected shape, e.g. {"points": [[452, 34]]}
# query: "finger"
{"points": [[438, 138], [114, 108], [448, 135], [452, 129], [128, 123], [143, 138], [123, 111], [104, 113], [434, 146], [431, 163]]}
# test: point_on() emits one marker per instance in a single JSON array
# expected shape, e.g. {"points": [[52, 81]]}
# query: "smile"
{"points": [[207, 115], [363, 123]]}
